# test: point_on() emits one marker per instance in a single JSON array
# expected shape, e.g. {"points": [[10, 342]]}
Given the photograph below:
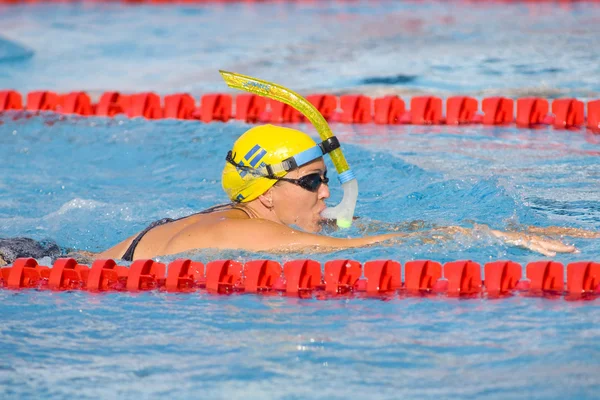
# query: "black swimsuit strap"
{"points": [[128, 255]]}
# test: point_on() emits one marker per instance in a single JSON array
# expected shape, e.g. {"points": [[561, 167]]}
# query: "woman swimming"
{"points": [[265, 206]]}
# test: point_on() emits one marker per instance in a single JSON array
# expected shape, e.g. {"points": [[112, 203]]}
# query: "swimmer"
{"points": [[274, 213]]}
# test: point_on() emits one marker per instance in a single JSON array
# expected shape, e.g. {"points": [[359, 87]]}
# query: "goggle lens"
{"points": [[312, 182]]}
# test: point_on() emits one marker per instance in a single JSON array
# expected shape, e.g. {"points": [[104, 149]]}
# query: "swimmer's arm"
{"points": [[547, 247], [529, 240], [563, 231], [538, 244], [263, 235]]}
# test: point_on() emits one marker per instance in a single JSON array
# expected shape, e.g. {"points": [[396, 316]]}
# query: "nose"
{"points": [[323, 191]]}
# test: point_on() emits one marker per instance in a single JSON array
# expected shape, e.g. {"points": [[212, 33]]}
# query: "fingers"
{"points": [[540, 249], [547, 247], [550, 244], [555, 245]]}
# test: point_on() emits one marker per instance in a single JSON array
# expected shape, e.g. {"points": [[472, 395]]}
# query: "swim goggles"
{"points": [[311, 182]]}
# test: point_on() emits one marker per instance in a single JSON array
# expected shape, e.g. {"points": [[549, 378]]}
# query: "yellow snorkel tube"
{"points": [[343, 213]]}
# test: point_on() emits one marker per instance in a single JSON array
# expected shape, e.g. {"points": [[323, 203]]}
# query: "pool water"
{"points": [[88, 183]]}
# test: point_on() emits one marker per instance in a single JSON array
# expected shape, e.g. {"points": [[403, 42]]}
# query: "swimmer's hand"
{"points": [[547, 247]]}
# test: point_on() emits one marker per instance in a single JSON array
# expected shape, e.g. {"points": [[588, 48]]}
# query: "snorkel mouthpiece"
{"points": [[343, 213]]}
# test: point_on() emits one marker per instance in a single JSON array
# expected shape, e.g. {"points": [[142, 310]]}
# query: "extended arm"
{"points": [[538, 244], [264, 235], [528, 239]]}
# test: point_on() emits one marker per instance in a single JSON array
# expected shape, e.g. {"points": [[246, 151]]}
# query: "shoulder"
{"points": [[227, 229], [258, 235], [117, 250], [243, 234]]}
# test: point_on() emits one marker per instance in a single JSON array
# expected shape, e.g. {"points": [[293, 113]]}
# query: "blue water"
{"points": [[87, 183]]}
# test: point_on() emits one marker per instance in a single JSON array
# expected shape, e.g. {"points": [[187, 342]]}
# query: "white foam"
{"points": [[77, 203]]}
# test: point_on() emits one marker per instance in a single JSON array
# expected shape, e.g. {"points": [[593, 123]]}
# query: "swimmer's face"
{"points": [[295, 205]]}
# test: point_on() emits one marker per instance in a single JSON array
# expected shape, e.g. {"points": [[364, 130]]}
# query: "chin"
{"points": [[311, 228], [316, 227]]}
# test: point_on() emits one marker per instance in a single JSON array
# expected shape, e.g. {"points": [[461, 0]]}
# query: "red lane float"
{"points": [[223, 276], [304, 278], [184, 275], [356, 109], [106, 275], [41, 101], [531, 112], [215, 107], [497, 111], [593, 118], [10, 100], [145, 105], [279, 112], [389, 110], [76, 103], [249, 107], [261, 275], [326, 104], [25, 273], [341, 276], [112, 103], [382, 276], [422, 275], [460, 110], [145, 275], [426, 110], [179, 106], [583, 278], [464, 278], [545, 276], [568, 113], [502, 277], [301, 276], [67, 274]]}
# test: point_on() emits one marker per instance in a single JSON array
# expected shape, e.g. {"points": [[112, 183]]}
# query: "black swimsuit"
{"points": [[128, 255]]}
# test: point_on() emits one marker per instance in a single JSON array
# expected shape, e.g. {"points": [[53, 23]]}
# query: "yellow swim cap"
{"points": [[257, 148]]}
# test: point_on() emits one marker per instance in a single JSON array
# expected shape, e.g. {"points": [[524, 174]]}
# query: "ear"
{"points": [[266, 199]]}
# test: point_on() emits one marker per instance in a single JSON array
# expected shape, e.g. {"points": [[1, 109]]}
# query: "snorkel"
{"points": [[343, 213]]}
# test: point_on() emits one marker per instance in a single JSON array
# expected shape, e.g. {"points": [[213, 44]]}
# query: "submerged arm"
{"points": [[563, 231], [538, 244], [529, 239], [547, 247]]}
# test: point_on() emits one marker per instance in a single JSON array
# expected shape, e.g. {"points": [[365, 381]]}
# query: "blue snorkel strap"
{"points": [[305, 157]]}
